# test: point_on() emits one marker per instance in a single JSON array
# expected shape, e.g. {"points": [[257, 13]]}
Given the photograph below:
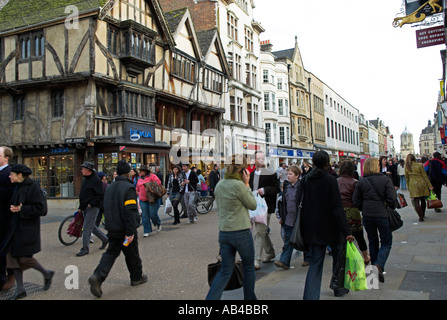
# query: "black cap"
{"points": [[21, 168], [122, 167]]}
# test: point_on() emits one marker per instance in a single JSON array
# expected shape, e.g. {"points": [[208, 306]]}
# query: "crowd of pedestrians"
{"points": [[337, 205]]}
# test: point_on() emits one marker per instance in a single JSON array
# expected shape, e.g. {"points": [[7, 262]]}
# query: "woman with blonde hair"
{"points": [[369, 196], [418, 185], [234, 198]]}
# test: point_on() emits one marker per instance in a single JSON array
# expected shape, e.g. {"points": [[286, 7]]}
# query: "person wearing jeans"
{"points": [[230, 242], [234, 198], [149, 210], [379, 248], [370, 193]]}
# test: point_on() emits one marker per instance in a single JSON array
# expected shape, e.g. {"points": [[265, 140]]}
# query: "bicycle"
{"points": [[68, 239], [65, 238], [203, 204]]}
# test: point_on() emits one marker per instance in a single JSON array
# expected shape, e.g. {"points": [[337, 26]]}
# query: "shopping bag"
{"points": [[433, 202], [401, 199], [75, 227], [260, 214], [355, 276], [168, 206]]}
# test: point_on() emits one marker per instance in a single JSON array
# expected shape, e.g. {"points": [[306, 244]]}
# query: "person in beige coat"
{"points": [[418, 185]]}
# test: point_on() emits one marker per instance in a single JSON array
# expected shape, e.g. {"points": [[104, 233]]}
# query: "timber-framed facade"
{"points": [[99, 86]]}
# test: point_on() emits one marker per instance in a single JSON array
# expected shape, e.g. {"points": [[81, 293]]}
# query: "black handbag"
{"points": [[393, 216], [237, 278], [296, 239]]}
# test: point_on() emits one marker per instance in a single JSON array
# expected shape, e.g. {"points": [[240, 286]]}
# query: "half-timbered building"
{"points": [[101, 80]]}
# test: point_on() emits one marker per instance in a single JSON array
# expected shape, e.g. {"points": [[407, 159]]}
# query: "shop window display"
{"points": [[54, 174]]}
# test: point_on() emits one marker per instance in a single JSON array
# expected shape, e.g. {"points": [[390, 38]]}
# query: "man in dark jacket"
{"points": [[122, 220], [6, 190], [323, 222], [265, 182], [90, 201], [214, 178], [437, 173]]}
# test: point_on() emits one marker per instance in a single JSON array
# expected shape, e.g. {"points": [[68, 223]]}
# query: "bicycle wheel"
{"points": [[204, 204], [64, 237]]}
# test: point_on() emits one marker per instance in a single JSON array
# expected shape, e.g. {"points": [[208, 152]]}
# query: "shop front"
{"points": [[137, 147], [55, 169]]}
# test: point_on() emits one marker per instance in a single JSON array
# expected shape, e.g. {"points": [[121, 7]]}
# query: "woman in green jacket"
{"points": [[234, 198], [418, 185]]}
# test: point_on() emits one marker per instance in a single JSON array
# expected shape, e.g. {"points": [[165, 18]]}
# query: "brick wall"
{"points": [[203, 12]]}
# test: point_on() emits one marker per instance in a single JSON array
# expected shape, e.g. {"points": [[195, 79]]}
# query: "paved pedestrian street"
{"points": [[175, 260]]}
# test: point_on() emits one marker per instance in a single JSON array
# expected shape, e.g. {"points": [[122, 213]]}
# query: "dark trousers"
{"points": [[114, 249]]}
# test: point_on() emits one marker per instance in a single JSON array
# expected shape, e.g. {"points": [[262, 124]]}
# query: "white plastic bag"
{"points": [[168, 206], [260, 214]]}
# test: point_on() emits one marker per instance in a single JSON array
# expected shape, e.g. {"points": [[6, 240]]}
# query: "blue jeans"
{"points": [[149, 212], [287, 250], [230, 242], [403, 183], [312, 286], [379, 249]]}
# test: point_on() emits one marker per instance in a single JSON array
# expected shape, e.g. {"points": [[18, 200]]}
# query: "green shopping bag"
{"points": [[355, 277]]}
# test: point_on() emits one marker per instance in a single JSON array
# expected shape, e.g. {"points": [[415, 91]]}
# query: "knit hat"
{"points": [[122, 167], [21, 168]]}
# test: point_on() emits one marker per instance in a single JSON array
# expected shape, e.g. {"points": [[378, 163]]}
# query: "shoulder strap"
{"points": [[381, 198]]}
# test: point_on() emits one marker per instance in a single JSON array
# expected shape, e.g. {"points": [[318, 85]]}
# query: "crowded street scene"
{"points": [[226, 156]]}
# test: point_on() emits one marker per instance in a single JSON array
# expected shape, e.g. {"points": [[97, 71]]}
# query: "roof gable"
{"points": [[183, 32]]}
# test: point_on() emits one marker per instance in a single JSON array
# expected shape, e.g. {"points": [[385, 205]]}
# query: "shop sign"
{"points": [[59, 150], [75, 140], [247, 146], [304, 154], [430, 37], [281, 152], [140, 133]]}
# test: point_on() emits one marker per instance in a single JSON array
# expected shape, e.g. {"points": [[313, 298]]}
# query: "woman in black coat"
{"points": [[28, 204], [369, 196], [323, 222]]}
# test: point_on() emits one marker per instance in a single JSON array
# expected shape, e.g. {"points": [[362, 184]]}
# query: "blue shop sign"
{"points": [[281, 152], [140, 133]]}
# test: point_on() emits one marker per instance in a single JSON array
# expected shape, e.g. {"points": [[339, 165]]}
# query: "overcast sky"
{"points": [[352, 46]]}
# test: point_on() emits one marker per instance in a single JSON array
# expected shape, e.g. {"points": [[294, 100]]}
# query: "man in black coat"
{"points": [[122, 220], [190, 182], [265, 182], [90, 201], [6, 190]]}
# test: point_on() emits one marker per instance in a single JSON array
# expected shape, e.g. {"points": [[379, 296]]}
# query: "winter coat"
{"points": [[6, 190], [368, 201], [436, 170], [417, 181], [24, 234], [120, 207], [91, 192], [323, 217]]}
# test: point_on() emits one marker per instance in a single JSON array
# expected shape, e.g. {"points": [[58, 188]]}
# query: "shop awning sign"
{"points": [[430, 37]]}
